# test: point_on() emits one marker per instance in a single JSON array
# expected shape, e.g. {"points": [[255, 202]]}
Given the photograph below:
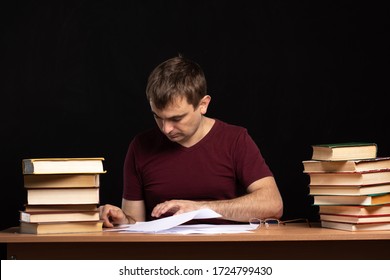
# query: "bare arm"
{"points": [[134, 210], [262, 201]]}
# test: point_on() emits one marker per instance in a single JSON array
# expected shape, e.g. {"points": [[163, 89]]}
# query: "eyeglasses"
{"points": [[257, 223]]}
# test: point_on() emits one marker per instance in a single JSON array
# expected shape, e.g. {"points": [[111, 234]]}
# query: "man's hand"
{"points": [[262, 201], [175, 207], [112, 215]]}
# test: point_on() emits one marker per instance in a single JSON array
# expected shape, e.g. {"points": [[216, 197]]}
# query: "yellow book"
{"points": [[58, 216], [40, 181], [63, 196], [61, 227], [62, 165]]}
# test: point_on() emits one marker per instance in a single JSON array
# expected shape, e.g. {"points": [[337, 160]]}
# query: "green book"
{"points": [[344, 151]]}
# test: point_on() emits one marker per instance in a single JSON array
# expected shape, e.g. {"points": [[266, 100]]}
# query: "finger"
{"points": [[106, 215], [107, 220], [161, 209], [156, 212]]}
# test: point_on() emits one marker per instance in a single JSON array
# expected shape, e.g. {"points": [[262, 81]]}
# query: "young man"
{"points": [[191, 161]]}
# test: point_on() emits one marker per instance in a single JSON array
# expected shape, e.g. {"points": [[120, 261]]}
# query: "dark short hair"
{"points": [[176, 77]]}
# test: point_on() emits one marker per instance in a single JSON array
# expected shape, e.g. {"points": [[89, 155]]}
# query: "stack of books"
{"points": [[351, 186], [62, 195]]}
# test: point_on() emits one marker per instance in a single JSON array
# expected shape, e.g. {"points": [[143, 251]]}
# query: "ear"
{"points": [[204, 104]]}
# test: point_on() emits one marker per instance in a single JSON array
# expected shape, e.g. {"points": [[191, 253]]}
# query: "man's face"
{"points": [[179, 121]]}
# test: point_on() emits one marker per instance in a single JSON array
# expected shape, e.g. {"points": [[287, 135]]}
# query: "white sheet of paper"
{"points": [[208, 229], [168, 222]]}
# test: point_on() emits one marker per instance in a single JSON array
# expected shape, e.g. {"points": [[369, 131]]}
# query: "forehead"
{"points": [[178, 106]]}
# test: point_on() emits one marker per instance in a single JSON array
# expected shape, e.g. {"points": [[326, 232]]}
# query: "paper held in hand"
{"points": [[168, 222], [173, 225]]}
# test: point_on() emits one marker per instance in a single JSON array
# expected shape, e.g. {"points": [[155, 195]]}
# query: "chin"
{"points": [[175, 139], [178, 139]]}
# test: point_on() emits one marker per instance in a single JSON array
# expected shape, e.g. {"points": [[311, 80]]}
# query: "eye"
{"points": [[176, 119], [156, 117]]}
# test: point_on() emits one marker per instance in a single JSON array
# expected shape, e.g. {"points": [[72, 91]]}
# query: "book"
{"points": [[61, 180], [378, 163], [62, 165], [61, 207], [355, 219], [350, 178], [351, 199], [357, 210], [355, 227], [63, 196], [349, 190], [57, 216], [61, 227], [344, 151]]}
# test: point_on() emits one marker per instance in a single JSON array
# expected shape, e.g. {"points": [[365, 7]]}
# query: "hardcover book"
{"points": [[349, 190], [61, 180], [57, 216], [357, 210], [61, 227], [63, 196], [350, 178], [355, 227], [378, 163], [355, 219], [62, 165], [61, 208], [344, 151], [352, 199]]}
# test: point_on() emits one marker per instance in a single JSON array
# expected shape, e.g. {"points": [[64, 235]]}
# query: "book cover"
{"points": [[345, 145], [61, 180], [350, 178], [349, 190], [344, 151], [61, 208], [378, 163], [58, 216], [62, 165], [354, 219], [357, 210], [355, 227], [61, 227], [352, 199], [63, 196]]}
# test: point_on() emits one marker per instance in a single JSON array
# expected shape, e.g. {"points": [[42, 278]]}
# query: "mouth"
{"points": [[173, 136]]}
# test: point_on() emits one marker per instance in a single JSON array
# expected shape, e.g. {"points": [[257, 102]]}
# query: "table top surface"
{"points": [[289, 232]]}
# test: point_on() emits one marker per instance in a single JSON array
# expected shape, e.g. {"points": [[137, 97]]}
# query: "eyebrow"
{"points": [[171, 118]]}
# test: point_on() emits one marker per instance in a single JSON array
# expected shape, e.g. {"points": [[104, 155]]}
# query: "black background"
{"points": [[295, 73]]}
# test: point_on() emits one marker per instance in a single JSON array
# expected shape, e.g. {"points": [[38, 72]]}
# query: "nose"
{"points": [[167, 126]]}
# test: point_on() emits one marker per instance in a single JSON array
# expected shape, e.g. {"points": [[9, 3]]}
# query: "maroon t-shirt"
{"points": [[220, 166]]}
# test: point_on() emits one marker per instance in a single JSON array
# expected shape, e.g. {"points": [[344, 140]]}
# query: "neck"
{"points": [[204, 128]]}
